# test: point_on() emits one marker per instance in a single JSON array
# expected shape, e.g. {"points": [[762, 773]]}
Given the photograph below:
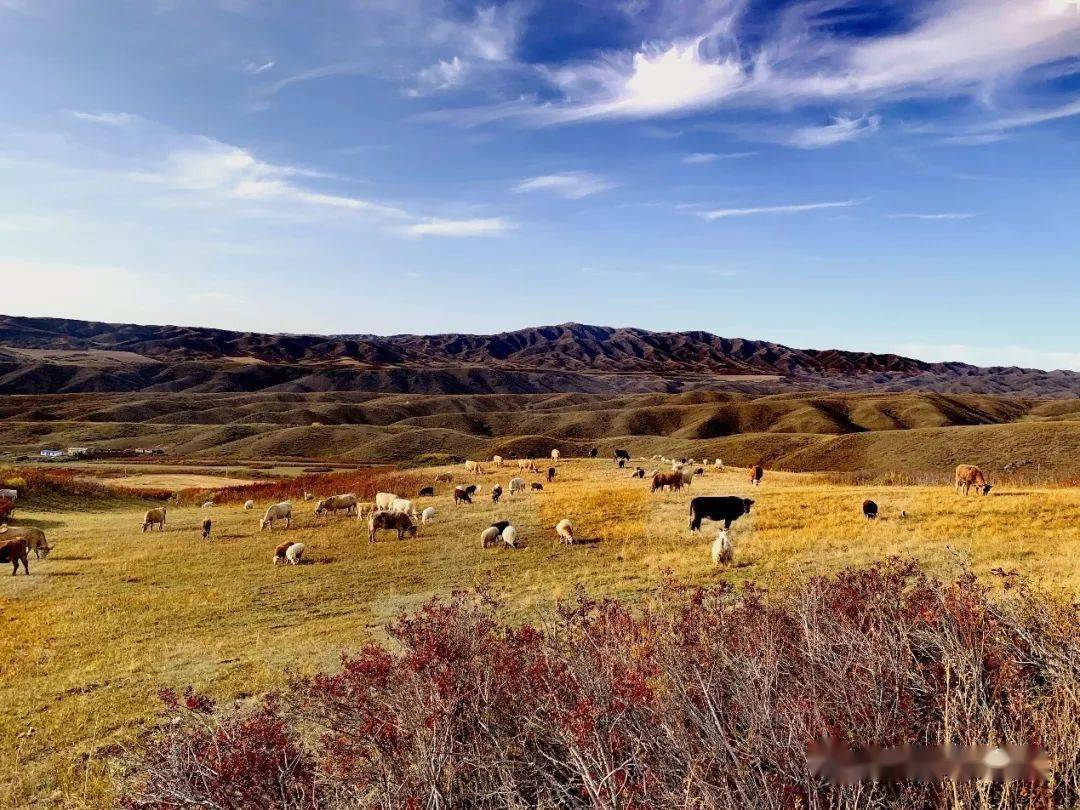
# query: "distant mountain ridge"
{"points": [[45, 355]]}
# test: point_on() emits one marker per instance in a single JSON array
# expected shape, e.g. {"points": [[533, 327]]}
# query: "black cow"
{"points": [[426, 491], [727, 508], [869, 509], [551, 474], [622, 454], [496, 493]]}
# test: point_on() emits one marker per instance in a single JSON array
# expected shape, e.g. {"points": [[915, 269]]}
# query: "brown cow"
{"points": [[667, 479], [391, 521], [13, 551], [461, 495], [968, 476], [32, 535], [756, 474]]}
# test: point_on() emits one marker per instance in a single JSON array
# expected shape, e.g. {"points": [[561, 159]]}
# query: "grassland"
{"points": [[114, 614]]}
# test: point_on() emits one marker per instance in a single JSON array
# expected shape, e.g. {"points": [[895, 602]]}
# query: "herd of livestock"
{"points": [[390, 513]]}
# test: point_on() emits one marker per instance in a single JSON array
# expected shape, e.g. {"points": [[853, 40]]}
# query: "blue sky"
{"points": [[891, 175]]}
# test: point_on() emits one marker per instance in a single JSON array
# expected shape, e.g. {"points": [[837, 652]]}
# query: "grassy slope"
{"points": [[114, 614]]}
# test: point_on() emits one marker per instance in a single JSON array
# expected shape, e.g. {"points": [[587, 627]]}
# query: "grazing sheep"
{"points": [[638, 473], [500, 525], [426, 492], [403, 505], [31, 535], [622, 455], [722, 551], [471, 490], [869, 510], [390, 521], [968, 476], [14, 552], [756, 474], [509, 537], [565, 529], [308, 496], [207, 504], [517, 485], [474, 467], [726, 508], [699, 471], [527, 464], [249, 505], [294, 552], [336, 503], [687, 477], [496, 493], [461, 496], [279, 511], [718, 464], [497, 461], [555, 456], [427, 515], [206, 525], [551, 474], [537, 486], [444, 478], [489, 537], [672, 480], [154, 517], [383, 500]]}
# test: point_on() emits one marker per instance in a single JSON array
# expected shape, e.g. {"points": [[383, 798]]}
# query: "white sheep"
{"points": [[722, 551], [497, 461], [555, 456], [687, 476], [249, 505], [474, 467], [516, 485], [489, 537], [719, 464], [427, 515], [279, 511], [384, 500], [509, 537], [403, 505], [565, 529], [207, 504], [294, 552]]}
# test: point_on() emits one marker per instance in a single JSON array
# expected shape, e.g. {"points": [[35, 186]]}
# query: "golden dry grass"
{"points": [[114, 614], [174, 481]]}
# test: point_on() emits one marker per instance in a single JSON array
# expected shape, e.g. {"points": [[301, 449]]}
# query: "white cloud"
{"points": [[491, 35], [110, 119], [992, 355], [943, 216], [490, 226], [724, 213], [443, 75], [571, 185], [255, 68], [840, 130], [712, 157]]}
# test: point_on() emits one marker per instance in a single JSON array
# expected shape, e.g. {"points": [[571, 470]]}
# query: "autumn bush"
{"points": [[61, 487], [691, 698], [364, 482]]}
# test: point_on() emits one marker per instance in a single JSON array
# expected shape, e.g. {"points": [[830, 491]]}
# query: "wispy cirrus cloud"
{"points": [[711, 157], [483, 226], [940, 216], [109, 119], [571, 185], [255, 68], [839, 130], [725, 213]]}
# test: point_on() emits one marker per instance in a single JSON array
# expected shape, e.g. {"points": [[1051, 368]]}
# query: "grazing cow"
{"points": [[722, 552], [14, 552], [392, 522], [968, 476], [726, 508], [537, 486], [555, 456], [249, 505], [565, 530], [489, 536], [509, 537], [673, 480], [154, 517], [427, 515], [496, 493], [279, 511], [593, 452], [517, 485], [206, 526], [336, 503], [31, 535], [624, 455], [551, 474], [426, 492], [444, 478], [384, 500], [461, 496], [869, 510], [756, 474]]}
